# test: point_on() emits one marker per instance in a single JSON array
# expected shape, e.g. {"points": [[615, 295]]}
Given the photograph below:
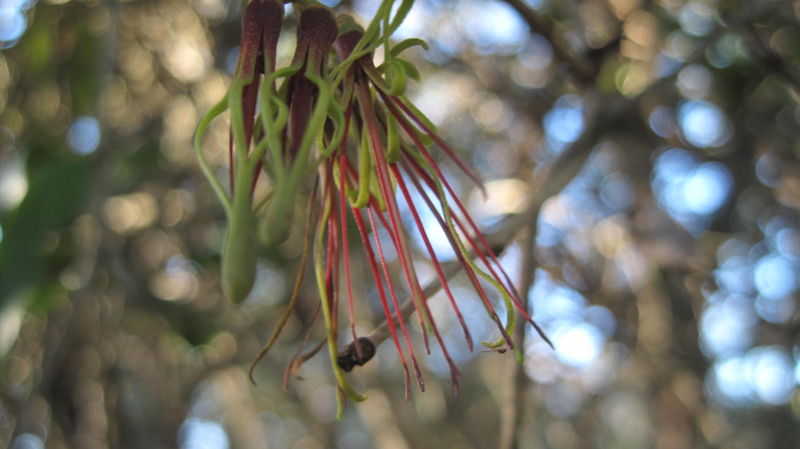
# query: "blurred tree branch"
{"points": [[581, 69]]}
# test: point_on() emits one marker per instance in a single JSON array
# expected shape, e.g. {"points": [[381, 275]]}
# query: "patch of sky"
{"points": [[602, 319], [594, 194], [481, 328], [771, 374], [537, 53], [696, 18], [787, 243], [366, 8], [536, 4], [27, 441], [703, 124], [414, 25], [269, 278], [770, 224], [196, 433], [578, 344], [689, 190], [12, 24], [578, 331], [445, 42], [555, 302], [728, 383], [437, 98], [616, 192], [706, 189], [564, 123], [763, 375], [415, 22], [437, 236], [491, 25], [13, 21], [83, 135], [666, 65], [778, 311], [797, 365], [734, 275], [231, 60], [726, 327], [733, 247], [774, 276], [548, 234]]}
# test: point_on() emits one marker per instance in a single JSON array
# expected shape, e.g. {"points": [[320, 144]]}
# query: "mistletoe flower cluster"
{"points": [[335, 120]]}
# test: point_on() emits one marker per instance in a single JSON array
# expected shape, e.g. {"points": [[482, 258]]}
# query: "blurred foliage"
{"points": [[666, 271]]}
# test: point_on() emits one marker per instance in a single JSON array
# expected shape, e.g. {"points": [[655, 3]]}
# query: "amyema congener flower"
{"points": [[333, 126]]}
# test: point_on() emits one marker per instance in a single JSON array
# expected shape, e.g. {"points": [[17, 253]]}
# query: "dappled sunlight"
{"points": [[703, 124], [564, 123], [690, 191]]}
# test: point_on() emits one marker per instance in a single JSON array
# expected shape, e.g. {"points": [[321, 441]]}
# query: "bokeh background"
{"points": [[654, 143]]}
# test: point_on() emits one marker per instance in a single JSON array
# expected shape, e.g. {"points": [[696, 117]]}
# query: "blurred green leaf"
{"points": [[56, 194]]}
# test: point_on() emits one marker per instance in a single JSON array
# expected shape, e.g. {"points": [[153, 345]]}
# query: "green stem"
{"points": [[215, 111], [327, 313]]}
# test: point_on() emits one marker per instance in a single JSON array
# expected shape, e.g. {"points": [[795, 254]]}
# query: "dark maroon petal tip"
{"points": [[261, 26], [273, 17], [346, 42], [316, 32]]}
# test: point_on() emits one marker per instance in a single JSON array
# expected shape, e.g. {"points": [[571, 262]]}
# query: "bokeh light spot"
{"points": [[689, 191], [703, 124], [84, 135], [564, 123], [578, 345], [730, 382], [774, 277], [13, 183], [726, 328], [198, 433], [12, 26], [696, 18], [707, 188], [491, 24], [27, 441], [771, 371]]}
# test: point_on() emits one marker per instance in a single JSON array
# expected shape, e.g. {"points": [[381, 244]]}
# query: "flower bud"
{"points": [[239, 258]]}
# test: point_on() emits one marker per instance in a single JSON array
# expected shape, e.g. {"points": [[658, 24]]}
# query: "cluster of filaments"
{"points": [[334, 117]]}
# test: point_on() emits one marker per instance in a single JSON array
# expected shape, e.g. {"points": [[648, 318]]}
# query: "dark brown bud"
{"points": [[356, 353]]}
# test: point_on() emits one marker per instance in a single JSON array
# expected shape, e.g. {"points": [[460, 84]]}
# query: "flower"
{"points": [[394, 141], [349, 130], [261, 25]]}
